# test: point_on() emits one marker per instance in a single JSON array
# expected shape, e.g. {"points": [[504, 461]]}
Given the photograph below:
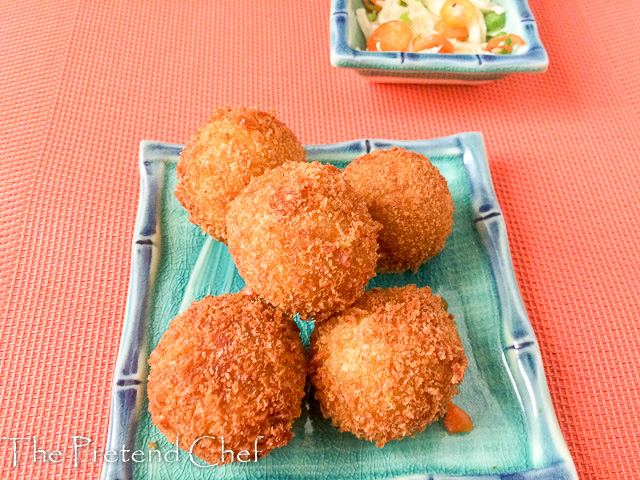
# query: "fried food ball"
{"points": [[387, 366], [302, 239], [410, 198], [229, 367], [221, 158]]}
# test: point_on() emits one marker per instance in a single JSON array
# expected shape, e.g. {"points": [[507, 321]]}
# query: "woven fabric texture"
{"points": [[81, 83]]}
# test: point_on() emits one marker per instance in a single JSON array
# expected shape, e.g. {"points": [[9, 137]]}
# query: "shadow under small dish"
{"points": [[349, 50], [515, 435]]}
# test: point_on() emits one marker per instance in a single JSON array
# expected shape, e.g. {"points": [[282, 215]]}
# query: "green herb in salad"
{"points": [[494, 21], [372, 15], [402, 3], [495, 35], [405, 18]]}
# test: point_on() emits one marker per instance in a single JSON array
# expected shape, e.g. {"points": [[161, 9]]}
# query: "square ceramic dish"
{"points": [[348, 49], [516, 435]]}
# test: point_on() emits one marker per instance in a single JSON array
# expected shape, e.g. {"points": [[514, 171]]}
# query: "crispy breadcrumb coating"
{"points": [[229, 366], [302, 239], [387, 366], [410, 198], [221, 158]]}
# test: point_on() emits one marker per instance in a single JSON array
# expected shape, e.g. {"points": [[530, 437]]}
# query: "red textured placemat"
{"points": [[81, 83]]}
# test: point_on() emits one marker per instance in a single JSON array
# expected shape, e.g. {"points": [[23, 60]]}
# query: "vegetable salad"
{"points": [[437, 26]]}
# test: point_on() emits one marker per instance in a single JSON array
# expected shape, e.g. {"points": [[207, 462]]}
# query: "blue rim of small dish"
{"points": [[535, 59], [550, 456]]}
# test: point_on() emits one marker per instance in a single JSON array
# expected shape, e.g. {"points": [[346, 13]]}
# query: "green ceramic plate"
{"points": [[516, 435]]}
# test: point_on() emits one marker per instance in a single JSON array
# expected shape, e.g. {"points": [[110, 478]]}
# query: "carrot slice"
{"points": [[450, 32], [435, 40], [457, 13], [505, 42], [457, 420], [390, 36]]}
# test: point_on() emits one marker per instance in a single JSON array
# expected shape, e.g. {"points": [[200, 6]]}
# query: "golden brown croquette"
{"points": [[410, 198], [387, 366], [302, 239], [229, 367], [221, 158]]}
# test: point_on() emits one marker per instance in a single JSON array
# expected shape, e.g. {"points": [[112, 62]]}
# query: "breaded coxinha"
{"points": [[389, 365], [230, 367], [411, 200], [221, 158], [303, 239]]}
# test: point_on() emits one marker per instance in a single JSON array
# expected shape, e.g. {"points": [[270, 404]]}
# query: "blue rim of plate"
{"points": [[535, 59], [550, 455]]}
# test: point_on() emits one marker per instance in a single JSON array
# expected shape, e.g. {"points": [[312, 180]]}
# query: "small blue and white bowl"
{"points": [[348, 50]]}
